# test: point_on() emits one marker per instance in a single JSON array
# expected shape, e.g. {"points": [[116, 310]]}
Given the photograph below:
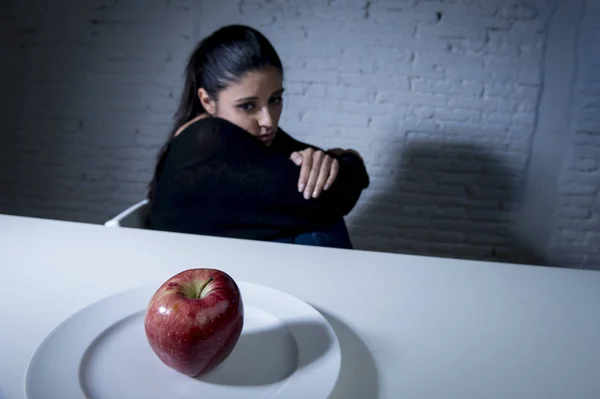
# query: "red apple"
{"points": [[194, 320]]}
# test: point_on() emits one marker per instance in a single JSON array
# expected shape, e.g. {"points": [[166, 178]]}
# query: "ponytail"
{"points": [[189, 107]]}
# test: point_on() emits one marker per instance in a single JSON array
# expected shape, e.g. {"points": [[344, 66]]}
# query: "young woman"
{"points": [[227, 168]]}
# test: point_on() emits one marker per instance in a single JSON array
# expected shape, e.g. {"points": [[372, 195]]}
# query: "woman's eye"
{"points": [[276, 100], [246, 106]]}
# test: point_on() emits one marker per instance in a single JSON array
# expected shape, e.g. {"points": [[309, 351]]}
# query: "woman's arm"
{"points": [[286, 145], [216, 171]]}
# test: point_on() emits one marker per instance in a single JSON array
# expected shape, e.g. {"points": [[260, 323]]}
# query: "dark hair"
{"points": [[218, 60]]}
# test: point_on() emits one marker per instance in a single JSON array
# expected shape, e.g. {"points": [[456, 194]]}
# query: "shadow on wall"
{"points": [[448, 199]]}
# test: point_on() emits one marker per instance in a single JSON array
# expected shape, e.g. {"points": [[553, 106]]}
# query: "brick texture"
{"points": [[576, 237], [439, 96], [90, 88]]}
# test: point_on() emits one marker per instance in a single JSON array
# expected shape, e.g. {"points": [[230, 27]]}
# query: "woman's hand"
{"points": [[318, 171]]}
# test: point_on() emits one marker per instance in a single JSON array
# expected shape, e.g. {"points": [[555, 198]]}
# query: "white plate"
{"points": [[287, 349]]}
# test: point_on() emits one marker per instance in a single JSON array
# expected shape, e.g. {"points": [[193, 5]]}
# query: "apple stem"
{"points": [[203, 286]]}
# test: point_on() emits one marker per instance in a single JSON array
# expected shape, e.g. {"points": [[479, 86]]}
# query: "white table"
{"points": [[409, 326]]}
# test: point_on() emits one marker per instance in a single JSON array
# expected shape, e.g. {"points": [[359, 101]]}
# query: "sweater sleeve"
{"points": [[217, 166], [285, 144]]}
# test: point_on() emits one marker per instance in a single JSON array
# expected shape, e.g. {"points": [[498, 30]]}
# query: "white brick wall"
{"points": [[439, 96], [575, 239]]}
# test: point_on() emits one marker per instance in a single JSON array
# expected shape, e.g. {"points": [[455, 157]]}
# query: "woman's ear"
{"points": [[207, 102]]}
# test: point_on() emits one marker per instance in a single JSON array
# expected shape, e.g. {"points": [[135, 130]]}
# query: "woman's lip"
{"points": [[266, 137]]}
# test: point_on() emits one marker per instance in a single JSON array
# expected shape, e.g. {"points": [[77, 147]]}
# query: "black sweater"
{"points": [[218, 180]]}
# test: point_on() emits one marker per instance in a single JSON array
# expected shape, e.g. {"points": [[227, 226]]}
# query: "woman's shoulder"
{"points": [[190, 122], [207, 138], [204, 123]]}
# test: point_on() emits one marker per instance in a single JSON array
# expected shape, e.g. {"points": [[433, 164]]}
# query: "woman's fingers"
{"points": [[322, 179], [296, 158], [335, 168], [305, 167], [317, 159], [318, 171]]}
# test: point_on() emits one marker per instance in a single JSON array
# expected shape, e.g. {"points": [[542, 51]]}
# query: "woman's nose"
{"points": [[265, 119]]}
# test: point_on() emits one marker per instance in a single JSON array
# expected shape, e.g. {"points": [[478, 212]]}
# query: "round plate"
{"points": [[287, 349]]}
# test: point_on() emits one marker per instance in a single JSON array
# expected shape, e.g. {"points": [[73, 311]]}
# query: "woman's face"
{"points": [[254, 103]]}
